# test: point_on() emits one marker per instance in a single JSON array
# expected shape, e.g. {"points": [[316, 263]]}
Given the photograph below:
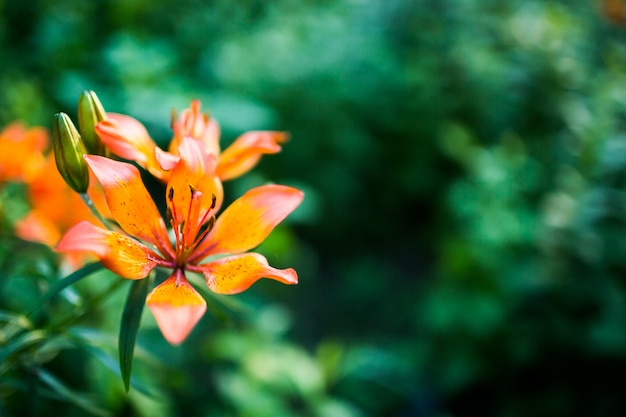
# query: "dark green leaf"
{"points": [[67, 281], [78, 398], [15, 319], [100, 345], [131, 318], [109, 362], [20, 343]]}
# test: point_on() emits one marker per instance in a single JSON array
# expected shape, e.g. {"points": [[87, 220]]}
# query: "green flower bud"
{"points": [[90, 112], [68, 153]]}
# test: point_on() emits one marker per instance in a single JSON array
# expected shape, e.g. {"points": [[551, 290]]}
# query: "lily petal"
{"points": [[195, 171], [235, 274], [37, 227], [166, 160], [177, 307], [244, 153], [128, 138], [249, 220], [21, 152], [117, 252], [129, 202], [199, 126], [211, 137]]}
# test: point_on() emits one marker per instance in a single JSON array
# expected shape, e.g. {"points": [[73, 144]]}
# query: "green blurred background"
{"points": [[462, 245]]}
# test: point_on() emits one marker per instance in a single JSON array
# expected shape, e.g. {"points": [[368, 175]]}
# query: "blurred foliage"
{"points": [[461, 246]]}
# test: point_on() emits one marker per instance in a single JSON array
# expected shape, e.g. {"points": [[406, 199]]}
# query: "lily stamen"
{"points": [[191, 225], [209, 227]]}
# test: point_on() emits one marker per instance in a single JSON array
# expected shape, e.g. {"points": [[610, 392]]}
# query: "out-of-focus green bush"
{"points": [[461, 245]]}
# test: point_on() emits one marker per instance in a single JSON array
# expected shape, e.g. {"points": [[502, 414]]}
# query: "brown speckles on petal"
{"points": [[129, 202], [250, 219], [234, 274]]}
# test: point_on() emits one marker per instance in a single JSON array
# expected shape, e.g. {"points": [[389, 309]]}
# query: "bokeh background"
{"points": [[462, 245]]}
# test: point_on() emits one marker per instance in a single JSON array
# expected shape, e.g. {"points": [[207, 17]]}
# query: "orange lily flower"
{"points": [[21, 151], [144, 243], [23, 160], [50, 197], [128, 138]]}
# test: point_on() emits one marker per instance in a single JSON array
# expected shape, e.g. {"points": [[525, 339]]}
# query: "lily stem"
{"points": [[88, 305], [92, 207]]}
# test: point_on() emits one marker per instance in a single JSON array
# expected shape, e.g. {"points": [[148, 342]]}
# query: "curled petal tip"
{"points": [[245, 152], [237, 273], [128, 138]]}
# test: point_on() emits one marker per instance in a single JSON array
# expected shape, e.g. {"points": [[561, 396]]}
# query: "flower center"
{"points": [[189, 223]]}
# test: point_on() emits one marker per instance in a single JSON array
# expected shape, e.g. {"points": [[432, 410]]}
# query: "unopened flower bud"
{"points": [[90, 112], [68, 153]]}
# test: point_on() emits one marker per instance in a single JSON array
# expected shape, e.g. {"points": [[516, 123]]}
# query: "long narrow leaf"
{"points": [[109, 362], [84, 308], [77, 398], [66, 282], [99, 345], [131, 318], [20, 343], [15, 319], [15, 324]]}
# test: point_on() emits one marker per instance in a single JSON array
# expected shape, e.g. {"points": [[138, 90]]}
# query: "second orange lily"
{"points": [[191, 197], [128, 138]]}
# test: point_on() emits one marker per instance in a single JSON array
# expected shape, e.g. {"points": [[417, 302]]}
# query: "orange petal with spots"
{"points": [[129, 202], [117, 252], [244, 153], [234, 274], [128, 138], [249, 220], [177, 307]]}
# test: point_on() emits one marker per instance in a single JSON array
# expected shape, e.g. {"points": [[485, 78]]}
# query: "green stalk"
{"points": [[92, 207]]}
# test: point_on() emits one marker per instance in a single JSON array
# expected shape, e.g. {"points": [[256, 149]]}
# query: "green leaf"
{"points": [[15, 324], [109, 362], [131, 318], [100, 346], [15, 319], [20, 343], [66, 282], [78, 398]]}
